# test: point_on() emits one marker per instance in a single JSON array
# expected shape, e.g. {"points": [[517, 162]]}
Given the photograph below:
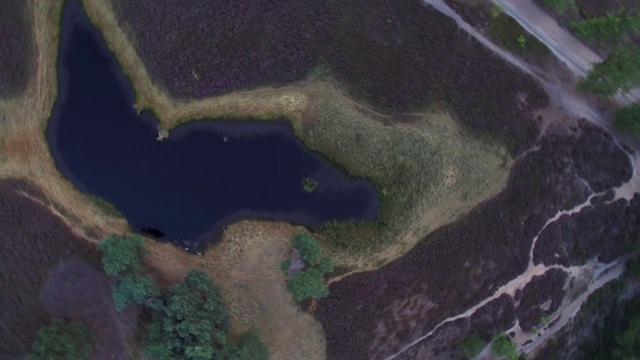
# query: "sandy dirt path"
{"points": [[594, 272], [577, 56], [559, 93]]}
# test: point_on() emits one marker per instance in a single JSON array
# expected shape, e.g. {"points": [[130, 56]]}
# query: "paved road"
{"points": [[577, 56]]}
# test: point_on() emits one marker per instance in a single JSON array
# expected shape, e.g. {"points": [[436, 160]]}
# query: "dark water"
{"points": [[189, 186]]}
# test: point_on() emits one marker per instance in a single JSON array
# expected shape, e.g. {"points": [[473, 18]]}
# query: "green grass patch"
{"points": [[106, 206], [427, 172], [506, 32]]}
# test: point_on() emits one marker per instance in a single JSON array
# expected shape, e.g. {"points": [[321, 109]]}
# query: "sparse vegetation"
{"points": [[62, 340], [309, 185], [504, 30], [496, 10], [132, 289], [106, 206], [470, 346], [562, 5], [503, 348]]}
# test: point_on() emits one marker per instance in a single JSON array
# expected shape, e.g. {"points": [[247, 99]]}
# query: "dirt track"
{"points": [[577, 56]]}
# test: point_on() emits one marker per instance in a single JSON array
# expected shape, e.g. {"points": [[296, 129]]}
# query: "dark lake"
{"points": [[205, 175]]}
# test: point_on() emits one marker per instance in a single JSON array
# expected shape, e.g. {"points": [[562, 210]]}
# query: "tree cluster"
{"points": [[562, 5], [121, 258], [610, 27], [62, 340], [310, 281], [190, 322], [619, 72]]}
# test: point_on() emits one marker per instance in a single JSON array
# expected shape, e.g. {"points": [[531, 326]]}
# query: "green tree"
{"points": [[628, 341], [133, 289], [62, 341], [121, 253], [191, 323], [612, 26], [309, 283], [619, 71], [470, 346], [308, 247], [326, 265], [503, 348], [628, 120]]}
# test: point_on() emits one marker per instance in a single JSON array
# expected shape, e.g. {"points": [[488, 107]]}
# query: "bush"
{"points": [[133, 289], [326, 265], [609, 27], [121, 253], [470, 346], [62, 341], [192, 323], [306, 284], [308, 247], [628, 120], [503, 348]]}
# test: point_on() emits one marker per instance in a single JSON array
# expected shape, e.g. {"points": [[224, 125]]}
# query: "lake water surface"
{"points": [[204, 176]]}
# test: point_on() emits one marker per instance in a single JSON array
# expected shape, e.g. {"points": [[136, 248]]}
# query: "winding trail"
{"points": [[595, 273]]}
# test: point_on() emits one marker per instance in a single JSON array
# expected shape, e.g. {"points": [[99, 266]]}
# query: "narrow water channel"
{"points": [[207, 174]]}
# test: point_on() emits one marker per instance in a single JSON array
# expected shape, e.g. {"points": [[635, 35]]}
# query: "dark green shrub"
{"points": [[503, 348], [133, 289], [309, 283], [628, 120], [470, 346], [121, 253], [62, 341], [308, 247]]}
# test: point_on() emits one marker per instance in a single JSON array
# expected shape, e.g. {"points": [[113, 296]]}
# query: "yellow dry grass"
{"points": [[246, 266], [246, 262], [24, 152]]}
